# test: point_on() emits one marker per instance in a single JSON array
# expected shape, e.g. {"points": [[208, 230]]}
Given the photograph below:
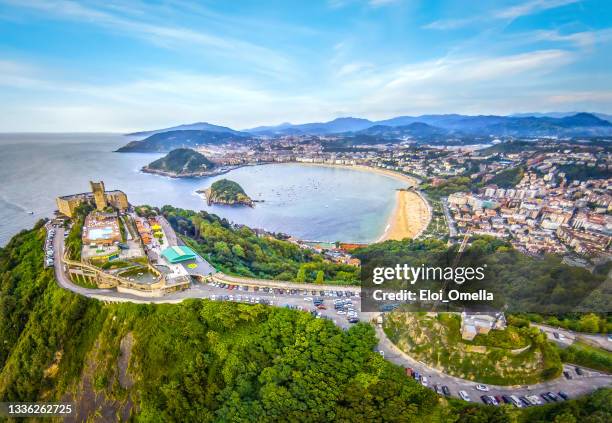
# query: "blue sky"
{"points": [[127, 65]]}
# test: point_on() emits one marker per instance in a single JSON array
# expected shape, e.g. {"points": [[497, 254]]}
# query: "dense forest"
{"points": [[577, 172], [206, 361], [241, 251], [181, 162], [225, 191], [507, 178], [520, 283]]}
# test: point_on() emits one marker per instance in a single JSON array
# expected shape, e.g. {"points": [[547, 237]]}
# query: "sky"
{"points": [[118, 66]]}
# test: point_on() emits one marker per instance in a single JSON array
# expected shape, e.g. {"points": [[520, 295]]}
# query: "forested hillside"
{"points": [[206, 361], [241, 251]]}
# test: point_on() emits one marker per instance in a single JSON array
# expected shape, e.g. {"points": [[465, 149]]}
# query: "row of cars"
{"points": [[241, 299], [49, 252], [515, 400], [347, 308], [283, 291], [524, 401]]}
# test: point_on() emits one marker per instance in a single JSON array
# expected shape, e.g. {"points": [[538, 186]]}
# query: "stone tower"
{"points": [[99, 194]]}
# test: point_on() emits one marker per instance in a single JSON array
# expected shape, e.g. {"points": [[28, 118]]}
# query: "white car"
{"points": [[308, 299], [483, 388], [534, 399], [464, 396], [424, 381]]}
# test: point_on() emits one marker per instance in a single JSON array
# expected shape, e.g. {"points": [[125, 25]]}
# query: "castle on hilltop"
{"points": [[98, 196]]}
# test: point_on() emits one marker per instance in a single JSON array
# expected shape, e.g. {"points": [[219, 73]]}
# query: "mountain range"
{"points": [[433, 128]]}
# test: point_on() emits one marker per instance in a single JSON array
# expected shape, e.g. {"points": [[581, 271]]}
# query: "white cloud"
{"points": [[531, 7], [172, 37], [509, 13]]}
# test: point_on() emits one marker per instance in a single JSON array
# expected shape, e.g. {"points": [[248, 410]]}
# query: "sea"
{"points": [[314, 203]]}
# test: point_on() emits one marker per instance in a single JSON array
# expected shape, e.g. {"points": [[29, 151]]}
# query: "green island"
{"points": [[226, 192], [211, 361], [181, 163]]}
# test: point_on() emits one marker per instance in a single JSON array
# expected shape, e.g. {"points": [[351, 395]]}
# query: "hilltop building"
{"points": [[473, 324], [99, 197]]}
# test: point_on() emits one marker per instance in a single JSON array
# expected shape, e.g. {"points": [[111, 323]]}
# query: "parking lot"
{"points": [[342, 307]]}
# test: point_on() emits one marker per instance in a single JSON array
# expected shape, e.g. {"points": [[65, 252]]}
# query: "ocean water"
{"points": [[310, 202]]}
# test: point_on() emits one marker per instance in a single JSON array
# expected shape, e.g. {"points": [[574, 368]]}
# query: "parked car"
{"points": [[464, 396], [567, 375], [446, 391], [483, 388], [525, 402], [579, 371], [552, 396], [535, 400], [563, 395]]}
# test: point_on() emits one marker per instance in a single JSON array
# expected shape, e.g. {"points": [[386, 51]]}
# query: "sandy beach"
{"points": [[409, 218]]}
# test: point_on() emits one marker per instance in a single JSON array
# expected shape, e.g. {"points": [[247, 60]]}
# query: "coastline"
{"points": [[220, 171], [412, 212], [410, 217]]}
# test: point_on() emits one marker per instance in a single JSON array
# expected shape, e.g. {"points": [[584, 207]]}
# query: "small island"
{"points": [[226, 192], [182, 163]]}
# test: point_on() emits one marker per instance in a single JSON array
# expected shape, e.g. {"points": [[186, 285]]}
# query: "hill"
{"points": [[166, 141], [198, 126], [438, 126], [227, 192], [182, 162], [204, 361]]}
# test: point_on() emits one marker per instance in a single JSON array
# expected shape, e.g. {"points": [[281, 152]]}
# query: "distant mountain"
{"points": [[562, 115], [414, 129], [181, 162], [461, 126], [345, 124], [198, 126], [166, 141], [580, 124]]}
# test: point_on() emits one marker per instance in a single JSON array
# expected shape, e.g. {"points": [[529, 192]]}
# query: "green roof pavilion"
{"points": [[178, 254]]}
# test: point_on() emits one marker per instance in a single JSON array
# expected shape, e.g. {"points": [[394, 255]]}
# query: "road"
{"points": [[568, 337], [579, 385], [452, 230]]}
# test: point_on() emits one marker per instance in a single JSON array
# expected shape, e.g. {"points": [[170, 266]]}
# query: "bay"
{"points": [[309, 202]]}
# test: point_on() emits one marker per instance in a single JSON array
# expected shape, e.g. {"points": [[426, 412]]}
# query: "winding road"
{"points": [[578, 385]]}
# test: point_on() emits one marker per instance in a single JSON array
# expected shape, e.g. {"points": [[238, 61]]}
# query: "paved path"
{"points": [[566, 337], [579, 385]]}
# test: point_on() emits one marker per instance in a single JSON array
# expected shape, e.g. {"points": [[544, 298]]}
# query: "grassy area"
{"points": [[588, 356], [436, 340], [437, 227]]}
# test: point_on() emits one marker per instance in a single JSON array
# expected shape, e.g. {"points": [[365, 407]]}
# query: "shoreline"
{"points": [[412, 212]]}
